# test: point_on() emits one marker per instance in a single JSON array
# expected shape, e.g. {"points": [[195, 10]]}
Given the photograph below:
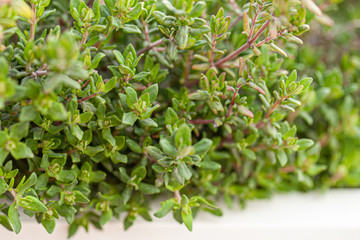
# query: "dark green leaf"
{"points": [[14, 218]]}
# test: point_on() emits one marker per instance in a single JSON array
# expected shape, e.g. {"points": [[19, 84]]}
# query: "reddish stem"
{"points": [[202, 121], [151, 46], [243, 47], [87, 98]]}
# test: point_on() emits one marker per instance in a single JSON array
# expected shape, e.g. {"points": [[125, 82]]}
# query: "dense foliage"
{"points": [[106, 104]]}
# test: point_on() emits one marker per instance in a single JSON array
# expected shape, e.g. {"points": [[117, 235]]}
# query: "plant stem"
{"points": [[232, 103], [213, 45], [85, 36], [202, 121], [33, 21], [254, 22], [146, 33], [86, 83], [268, 39], [261, 124], [177, 195], [87, 98], [243, 47], [151, 46], [39, 73]]}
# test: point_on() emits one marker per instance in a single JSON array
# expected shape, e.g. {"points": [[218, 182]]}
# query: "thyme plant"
{"points": [[105, 105]]}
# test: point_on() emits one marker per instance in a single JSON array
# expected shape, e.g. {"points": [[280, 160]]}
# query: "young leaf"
{"points": [[166, 207], [304, 144], [186, 216], [33, 204], [183, 136]]}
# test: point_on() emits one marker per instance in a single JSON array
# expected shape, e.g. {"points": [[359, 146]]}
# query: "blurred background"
{"points": [[331, 55]]}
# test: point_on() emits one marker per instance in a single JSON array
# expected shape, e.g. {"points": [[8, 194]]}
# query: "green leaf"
{"points": [[148, 122], [74, 6], [292, 78], [66, 176], [53, 81], [140, 76], [86, 117], [106, 217], [182, 36], [139, 171], [129, 118], [80, 197], [110, 3], [28, 113], [3, 155], [31, 181], [249, 153], [130, 28], [117, 157], [166, 207], [74, 226], [92, 151], [304, 144], [131, 97], [209, 165], [119, 57], [96, 60], [203, 200], [3, 186], [3, 138], [21, 151], [200, 95], [33, 204], [97, 176], [203, 146], [107, 135], [197, 9], [48, 223], [170, 116], [183, 136], [134, 146], [153, 91], [109, 85], [19, 130], [5, 222], [282, 157], [148, 188], [14, 218], [155, 152], [187, 218], [135, 12], [77, 132], [57, 112], [96, 10], [168, 148], [184, 171], [306, 82]]}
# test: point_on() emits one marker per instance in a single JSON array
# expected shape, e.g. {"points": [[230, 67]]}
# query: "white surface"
{"points": [[334, 215]]}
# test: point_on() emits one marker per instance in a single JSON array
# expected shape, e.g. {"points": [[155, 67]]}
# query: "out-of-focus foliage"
{"points": [[106, 104], [330, 113]]}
